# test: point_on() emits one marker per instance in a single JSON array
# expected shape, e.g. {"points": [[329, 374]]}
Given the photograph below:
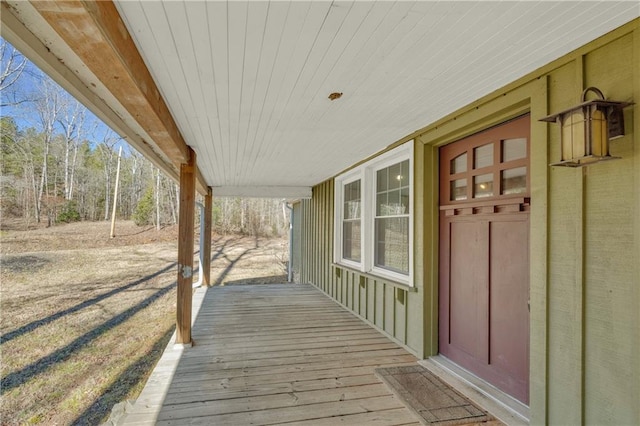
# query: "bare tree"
{"points": [[158, 200], [47, 109], [107, 152], [13, 64], [72, 119]]}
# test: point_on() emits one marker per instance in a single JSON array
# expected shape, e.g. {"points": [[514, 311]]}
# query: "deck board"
{"points": [[273, 354]]}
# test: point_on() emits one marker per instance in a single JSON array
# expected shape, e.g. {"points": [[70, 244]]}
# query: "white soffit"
{"points": [[248, 82]]}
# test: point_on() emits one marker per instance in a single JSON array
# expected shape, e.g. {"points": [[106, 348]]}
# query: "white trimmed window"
{"points": [[374, 204]]}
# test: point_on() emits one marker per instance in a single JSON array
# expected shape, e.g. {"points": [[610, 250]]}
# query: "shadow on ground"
{"points": [[136, 372]]}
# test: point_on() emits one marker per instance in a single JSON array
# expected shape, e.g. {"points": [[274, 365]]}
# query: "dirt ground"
{"points": [[84, 317]]}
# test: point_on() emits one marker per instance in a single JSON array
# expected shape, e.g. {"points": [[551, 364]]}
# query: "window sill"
{"points": [[402, 286]]}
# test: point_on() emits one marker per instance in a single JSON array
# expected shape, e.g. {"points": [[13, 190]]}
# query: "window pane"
{"points": [[389, 194], [483, 185], [483, 156], [404, 200], [395, 176], [458, 190], [351, 243], [393, 203], [403, 178], [392, 243], [458, 164], [514, 181], [513, 149], [352, 200], [382, 180], [381, 204]]}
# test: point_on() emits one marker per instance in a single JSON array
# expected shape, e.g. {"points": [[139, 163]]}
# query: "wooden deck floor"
{"points": [[274, 354]]}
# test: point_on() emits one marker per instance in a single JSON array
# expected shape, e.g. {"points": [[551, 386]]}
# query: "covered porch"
{"points": [[277, 99]]}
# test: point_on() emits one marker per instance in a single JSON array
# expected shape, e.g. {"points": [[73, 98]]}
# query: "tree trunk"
{"points": [[158, 200], [172, 198]]}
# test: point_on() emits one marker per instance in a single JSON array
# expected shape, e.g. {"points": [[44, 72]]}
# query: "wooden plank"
{"points": [[398, 416], [277, 400], [307, 352], [295, 413], [185, 250], [312, 345], [176, 397], [230, 362], [283, 372], [301, 336]]}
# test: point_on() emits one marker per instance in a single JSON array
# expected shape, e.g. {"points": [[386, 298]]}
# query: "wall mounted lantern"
{"points": [[587, 128]]}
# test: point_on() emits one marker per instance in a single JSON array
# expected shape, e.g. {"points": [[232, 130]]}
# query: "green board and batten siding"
{"points": [[393, 309], [584, 244]]}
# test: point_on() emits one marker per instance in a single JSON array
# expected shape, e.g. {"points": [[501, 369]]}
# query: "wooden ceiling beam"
{"points": [[95, 32]]}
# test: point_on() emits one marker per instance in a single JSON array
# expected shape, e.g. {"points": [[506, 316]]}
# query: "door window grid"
{"points": [[488, 180]]}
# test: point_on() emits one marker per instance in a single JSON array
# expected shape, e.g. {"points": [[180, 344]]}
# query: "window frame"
{"points": [[340, 183], [367, 173]]}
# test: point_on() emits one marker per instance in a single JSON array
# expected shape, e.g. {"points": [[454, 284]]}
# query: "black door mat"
{"points": [[431, 399]]}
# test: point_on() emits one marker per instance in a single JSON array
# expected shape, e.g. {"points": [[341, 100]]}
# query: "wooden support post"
{"points": [[205, 268], [185, 250]]}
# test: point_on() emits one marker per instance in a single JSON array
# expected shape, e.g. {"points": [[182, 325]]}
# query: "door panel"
{"points": [[468, 281], [509, 320]]}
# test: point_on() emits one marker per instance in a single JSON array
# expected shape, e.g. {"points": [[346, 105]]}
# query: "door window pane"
{"points": [[459, 164], [514, 181], [483, 185], [483, 156], [514, 149], [458, 190]]}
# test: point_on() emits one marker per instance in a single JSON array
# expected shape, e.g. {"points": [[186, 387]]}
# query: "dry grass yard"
{"points": [[84, 318]]}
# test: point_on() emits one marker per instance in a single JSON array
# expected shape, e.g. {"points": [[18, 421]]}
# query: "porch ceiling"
{"points": [[247, 83]]}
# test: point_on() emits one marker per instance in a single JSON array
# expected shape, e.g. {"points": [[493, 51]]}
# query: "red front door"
{"points": [[484, 255]]}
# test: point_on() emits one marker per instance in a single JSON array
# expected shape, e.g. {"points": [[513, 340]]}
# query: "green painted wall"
{"points": [[392, 309], [297, 241], [585, 242]]}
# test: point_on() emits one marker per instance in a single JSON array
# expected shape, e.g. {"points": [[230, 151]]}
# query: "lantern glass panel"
{"points": [[599, 132], [573, 135]]}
